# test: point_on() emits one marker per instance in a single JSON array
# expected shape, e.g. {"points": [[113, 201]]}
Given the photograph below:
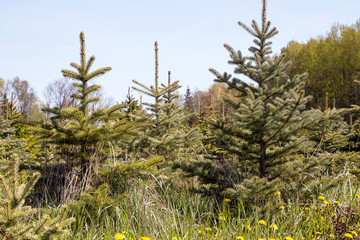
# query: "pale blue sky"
{"points": [[39, 38]]}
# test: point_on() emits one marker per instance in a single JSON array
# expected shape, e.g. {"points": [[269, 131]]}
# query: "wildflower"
{"points": [[313, 207], [248, 227], [357, 195], [318, 233], [227, 200], [355, 233], [239, 238], [119, 236], [348, 235], [208, 229], [221, 218], [326, 202], [337, 202], [262, 222], [275, 226], [281, 207], [277, 193], [332, 235], [175, 238], [307, 208], [145, 238], [289, 238], [321, 198], [262, 239]]}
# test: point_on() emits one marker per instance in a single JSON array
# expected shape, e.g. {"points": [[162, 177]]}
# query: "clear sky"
{"points": [[38, 38]]}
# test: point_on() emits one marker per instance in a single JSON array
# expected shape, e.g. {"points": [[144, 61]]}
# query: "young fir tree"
{"points": [[17, 221], [189, 106], [264, 128], [132, 112], [263, 136], [168, 134], [79, 131]]}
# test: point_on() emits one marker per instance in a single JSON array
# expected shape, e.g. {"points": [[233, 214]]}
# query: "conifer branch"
{"points": [[142, 85], [98, 73], [288, 118], [89, 64], [247, 29]]}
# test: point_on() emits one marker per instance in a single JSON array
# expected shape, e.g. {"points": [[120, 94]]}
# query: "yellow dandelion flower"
{"points": [[289, 238], [321, 198], [348, 235], [307, 208], [208, 229], [326, 202], [275, 226], [262, 222], [355, 233], [262, 239], [145, 238], [313, 207], [332, 235], [281, 207], [119, 236], [239, 238], [176, 238], [227, 200], [277, 193], [337, 202], [357, 195]]}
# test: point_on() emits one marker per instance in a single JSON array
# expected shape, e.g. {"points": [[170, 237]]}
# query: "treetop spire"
{"points": [[156, 67], [82, 49]]}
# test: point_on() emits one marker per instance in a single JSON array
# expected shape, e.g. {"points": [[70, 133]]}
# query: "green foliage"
{"points": [[263, 129], [79, 131], [168, 134], [17, 140], [93, 205], [264, 145], [160, 211], [254, 147], [332, 63], [16, 219]]}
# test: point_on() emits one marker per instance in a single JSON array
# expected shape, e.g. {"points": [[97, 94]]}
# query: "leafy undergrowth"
{"points": [[153, 210]]}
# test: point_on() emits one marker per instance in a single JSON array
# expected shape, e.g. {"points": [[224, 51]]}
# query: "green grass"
{"points": [[160, 211]]}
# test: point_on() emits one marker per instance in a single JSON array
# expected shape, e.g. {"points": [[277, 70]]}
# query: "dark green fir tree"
{"points": [[80, 131], [267, 128], [168, 134], [264, 127]]}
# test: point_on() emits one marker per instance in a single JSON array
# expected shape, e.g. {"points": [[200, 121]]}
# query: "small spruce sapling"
{"points": [[16, 218]]}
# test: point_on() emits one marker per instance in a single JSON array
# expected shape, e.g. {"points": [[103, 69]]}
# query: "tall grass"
{"points": [[159, 210]]}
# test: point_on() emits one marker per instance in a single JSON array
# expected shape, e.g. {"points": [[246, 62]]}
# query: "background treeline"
{"points": [[269, 157], [332, 64]]}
